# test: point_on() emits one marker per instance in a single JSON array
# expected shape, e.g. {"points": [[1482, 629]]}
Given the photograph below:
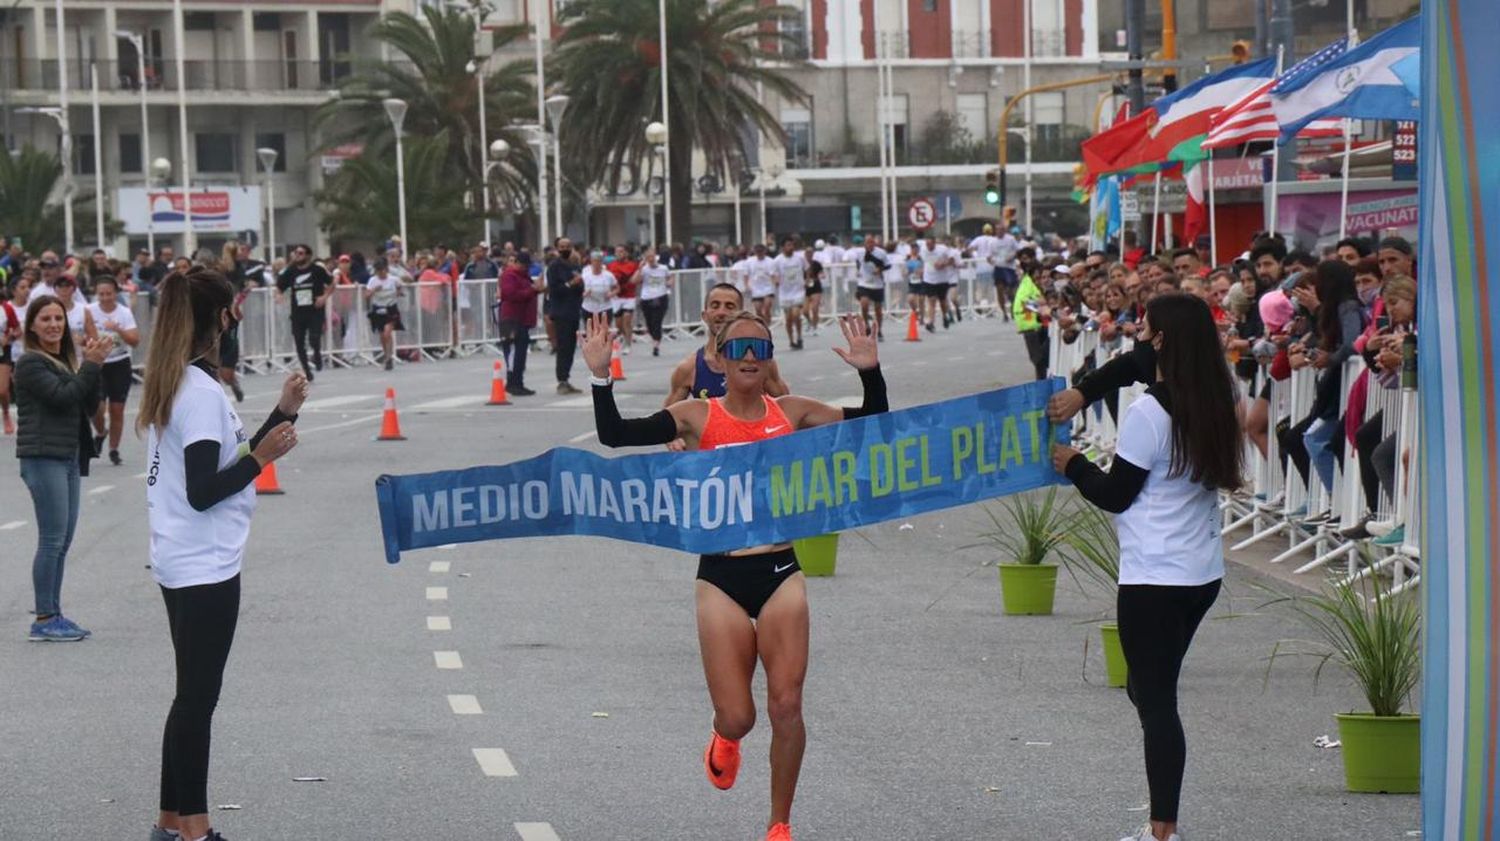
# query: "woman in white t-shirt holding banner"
{"points": [[1179, 447], [199, 498]]}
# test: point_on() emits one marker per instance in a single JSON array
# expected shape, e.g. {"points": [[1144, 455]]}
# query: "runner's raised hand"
{"points": [[596, 347], [861, 353]]}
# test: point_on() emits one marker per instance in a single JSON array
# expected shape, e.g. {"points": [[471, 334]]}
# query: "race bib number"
{"points": [[304, 297]]}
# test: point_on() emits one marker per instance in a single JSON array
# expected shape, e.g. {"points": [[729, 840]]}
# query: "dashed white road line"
{"points": [[536, 832], [467, 400], [439, 566], [439, 623], [494, 763], [13, 524], [142, 475], [342, 400], [437, 594], [447, 660], [995, 353], [957, 358], [818, 378], [362, 419], [100, 490], [464, 705], [852, 402], [578, 439]]}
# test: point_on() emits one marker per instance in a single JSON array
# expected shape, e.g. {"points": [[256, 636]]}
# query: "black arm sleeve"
{"points": [[875, 397], [207, 486], [1137, 366], [1114, 491], [615, 431]]}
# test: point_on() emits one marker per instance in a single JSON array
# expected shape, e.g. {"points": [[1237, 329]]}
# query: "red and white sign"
{"points": [[213, 209], [334, 158], [921, 213]]}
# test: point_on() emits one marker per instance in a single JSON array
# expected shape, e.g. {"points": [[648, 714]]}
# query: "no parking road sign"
{"points": [[921, 213]]}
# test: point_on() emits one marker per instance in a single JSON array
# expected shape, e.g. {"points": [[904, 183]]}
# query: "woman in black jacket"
{"points": [[55, 397]]}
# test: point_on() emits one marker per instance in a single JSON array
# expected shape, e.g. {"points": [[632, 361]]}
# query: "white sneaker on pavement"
{"points": [[1145, 835]]}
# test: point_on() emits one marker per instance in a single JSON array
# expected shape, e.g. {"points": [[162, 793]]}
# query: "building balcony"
{"points": [[228, 75]]}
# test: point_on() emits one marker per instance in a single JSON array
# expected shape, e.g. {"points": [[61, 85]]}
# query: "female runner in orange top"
{"points": [[752, 601]]}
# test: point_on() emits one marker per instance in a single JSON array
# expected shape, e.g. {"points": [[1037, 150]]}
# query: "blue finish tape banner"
{"points": [[813, 482]]}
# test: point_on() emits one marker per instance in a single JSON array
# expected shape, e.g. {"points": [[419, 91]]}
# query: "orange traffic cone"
{"points": [[911, 328], [390, 424], [616, 368], [266, 484], [498, 397]]}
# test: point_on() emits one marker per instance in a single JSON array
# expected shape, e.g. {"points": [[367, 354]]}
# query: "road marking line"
{"points": [[343, 400], [919, 363], [494, 763], [464, 705], [447, 660], [577, 439], [13, 524], [818, 378], [142, 475], [439, 623], [995, 353], [437, 594], [439, 566], [467, 400], [354, 422], [536, 832], [957, 358], [100, 490], [853, 402]]}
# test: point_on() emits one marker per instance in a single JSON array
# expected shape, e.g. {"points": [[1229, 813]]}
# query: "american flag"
{"points": [[1250, 118]]}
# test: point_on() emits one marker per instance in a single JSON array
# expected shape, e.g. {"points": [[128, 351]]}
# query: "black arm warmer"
{"points": [[1114, 491], [615, 431], [207, 486], [875, 398], [1137, 366]]}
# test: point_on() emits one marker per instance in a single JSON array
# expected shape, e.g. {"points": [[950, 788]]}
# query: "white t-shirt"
{"points": [[654, 282], [791, 271], [869, 274], [123, 319], [1172, 533], [596, 288], [762, 274], [78, 322], [190, 547], [383, 291], [829, 255], [1005, 251], [984, 247]]}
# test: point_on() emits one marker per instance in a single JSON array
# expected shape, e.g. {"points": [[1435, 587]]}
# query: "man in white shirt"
{"points": [[1006, 277], [761, 270], [871, 286], [791, 290]]}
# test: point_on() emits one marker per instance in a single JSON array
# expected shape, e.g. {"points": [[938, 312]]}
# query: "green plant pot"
{"points": [[1381, 753], [1028, 589], [1115, 670], [817, 555]]}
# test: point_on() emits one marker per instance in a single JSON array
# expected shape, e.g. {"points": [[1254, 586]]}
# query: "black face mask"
{"points": [[565, 252]]}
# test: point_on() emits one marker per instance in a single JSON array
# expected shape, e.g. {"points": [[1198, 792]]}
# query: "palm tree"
{"points": [[28, 211], [432, 75], [609, 60], [361, 199]]}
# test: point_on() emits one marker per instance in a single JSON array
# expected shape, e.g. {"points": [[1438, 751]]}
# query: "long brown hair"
{"points": [[33, 344], [1206, 442], [188, 324]]}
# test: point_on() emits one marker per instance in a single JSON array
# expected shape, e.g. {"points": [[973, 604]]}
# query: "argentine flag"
{"points": [[1360, 84]]}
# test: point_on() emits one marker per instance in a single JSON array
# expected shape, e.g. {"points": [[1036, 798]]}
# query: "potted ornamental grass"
{"points": [[1376, 639], [1033, 530], [1093, 553]]}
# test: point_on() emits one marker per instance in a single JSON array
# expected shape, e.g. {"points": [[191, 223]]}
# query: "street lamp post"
{"points": [[498, 151], [666, 116], [267, 158], [190, 242], [476, 69], [140, 84], [60, 116], [656, 135], [539, 17], [98, 162], [556, 105], [395, 109]]}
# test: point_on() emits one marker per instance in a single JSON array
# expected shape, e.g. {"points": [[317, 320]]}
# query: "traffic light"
{"points": [[992, 187], [1239, 51]]}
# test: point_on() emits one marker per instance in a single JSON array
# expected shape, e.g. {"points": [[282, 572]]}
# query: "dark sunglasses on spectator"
{"points": [[760, 348]]}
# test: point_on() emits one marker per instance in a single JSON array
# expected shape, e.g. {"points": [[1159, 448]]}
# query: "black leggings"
{"points": [[1039, 348], [308, 325], [202, 620], [1366, 439], [655, 310], [1156, 626]]}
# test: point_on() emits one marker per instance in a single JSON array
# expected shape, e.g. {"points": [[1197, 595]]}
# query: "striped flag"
{"points": [[1251, 118]]}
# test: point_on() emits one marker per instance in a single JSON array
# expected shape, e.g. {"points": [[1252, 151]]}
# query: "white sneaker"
{"points": [[1145, 835], [1380, 528]]}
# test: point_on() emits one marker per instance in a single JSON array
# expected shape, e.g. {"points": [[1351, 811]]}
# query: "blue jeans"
{"points": [[53, 483], [1317, 438]]}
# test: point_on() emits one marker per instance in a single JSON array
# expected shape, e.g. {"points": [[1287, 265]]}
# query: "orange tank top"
{"points": [[726, 430]]}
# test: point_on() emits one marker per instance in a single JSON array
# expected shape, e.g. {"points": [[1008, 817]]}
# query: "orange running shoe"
{"points": [[779, 832], [722, 761]]}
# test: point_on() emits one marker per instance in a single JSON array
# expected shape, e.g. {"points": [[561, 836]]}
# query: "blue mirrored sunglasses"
{"points": [[760, 348]]}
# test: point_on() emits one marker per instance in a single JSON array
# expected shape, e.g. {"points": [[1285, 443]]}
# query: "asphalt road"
{"points": [[551, 689]]}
